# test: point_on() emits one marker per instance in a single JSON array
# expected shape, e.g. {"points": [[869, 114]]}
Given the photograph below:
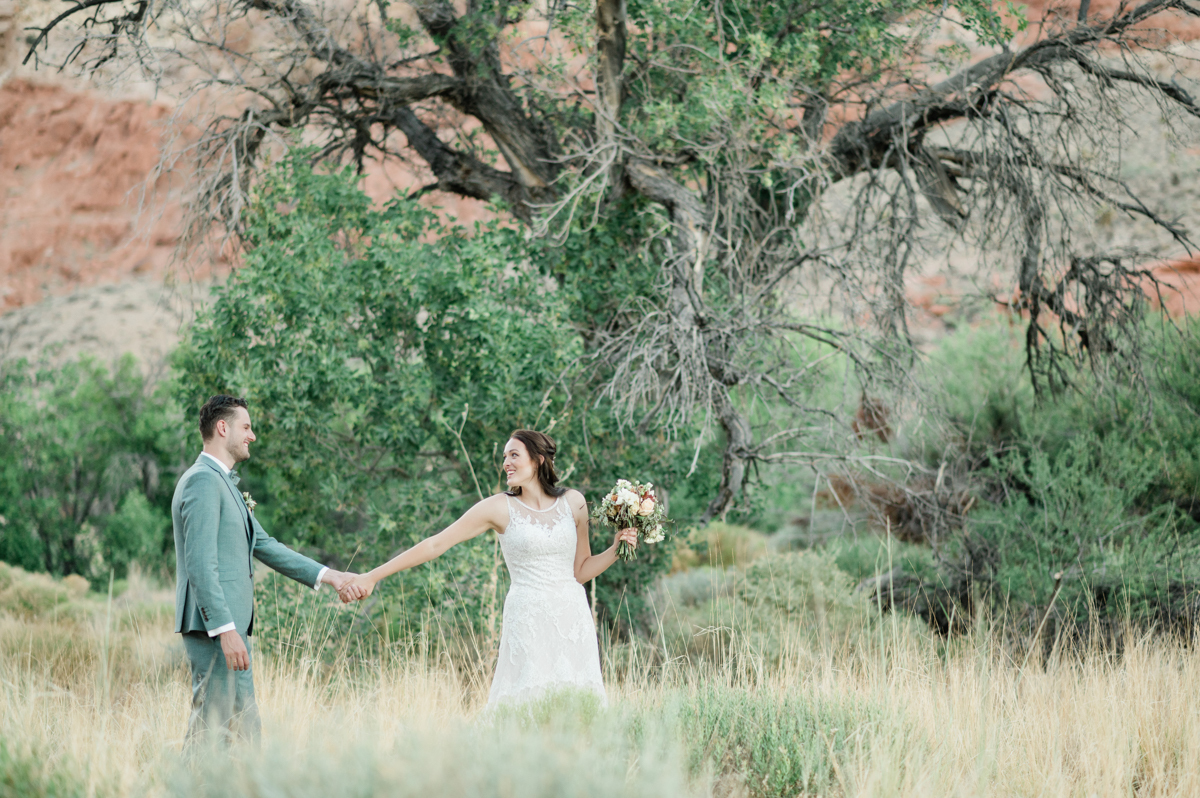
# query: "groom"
{"points": [[216, 539]]}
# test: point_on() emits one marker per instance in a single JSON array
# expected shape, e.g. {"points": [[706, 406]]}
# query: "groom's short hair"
{"points": [[221, 406]]}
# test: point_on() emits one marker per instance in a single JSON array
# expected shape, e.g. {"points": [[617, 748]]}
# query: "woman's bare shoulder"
{"points": [[494, 509], [575, 499], [495, 501]]}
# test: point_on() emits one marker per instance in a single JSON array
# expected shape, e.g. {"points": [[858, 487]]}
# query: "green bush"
{"points": [[1099, 484], [765, 742], [26, 775], [776, 744], [134, 533], [867, 555], [781, 610], [87, 466], [803, 583]]}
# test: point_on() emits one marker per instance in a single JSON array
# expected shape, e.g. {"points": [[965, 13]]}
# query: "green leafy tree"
{"points": [[87, 460], [386, 357]]}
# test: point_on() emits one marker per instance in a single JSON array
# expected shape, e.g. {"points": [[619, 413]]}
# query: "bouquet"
{"points": [[632, 504]]}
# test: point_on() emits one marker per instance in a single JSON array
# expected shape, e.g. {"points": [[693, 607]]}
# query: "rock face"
{"points": [[72, 170], [1178, 290], [8, 32], [142, 316], [88, 231]]}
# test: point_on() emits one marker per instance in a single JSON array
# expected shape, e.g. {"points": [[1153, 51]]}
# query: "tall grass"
{"points": [[94, 701]]}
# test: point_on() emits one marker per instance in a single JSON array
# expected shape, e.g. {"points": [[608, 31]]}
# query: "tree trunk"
{"points": [[610, 57]]}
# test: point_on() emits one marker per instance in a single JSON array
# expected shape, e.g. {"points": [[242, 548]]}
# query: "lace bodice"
{"points": [[539, 545], [548, 641]]}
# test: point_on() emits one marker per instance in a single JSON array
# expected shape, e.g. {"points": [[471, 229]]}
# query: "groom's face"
{"points": [[238, 435]]}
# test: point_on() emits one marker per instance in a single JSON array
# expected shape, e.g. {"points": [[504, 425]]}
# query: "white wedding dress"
{"points": [[548, 640]]}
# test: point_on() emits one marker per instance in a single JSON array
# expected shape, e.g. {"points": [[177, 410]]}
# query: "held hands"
{"points": [[626, 536], [356, 589], [237, 658], [341, 581]]}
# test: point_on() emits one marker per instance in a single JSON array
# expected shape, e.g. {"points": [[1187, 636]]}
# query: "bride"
{"points": [[548, 639]]}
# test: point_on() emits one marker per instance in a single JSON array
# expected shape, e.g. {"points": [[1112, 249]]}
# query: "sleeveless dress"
{"points": [[548, 638]]}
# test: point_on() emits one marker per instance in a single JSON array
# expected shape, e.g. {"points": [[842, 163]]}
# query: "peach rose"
{"points": [[647, 507]]}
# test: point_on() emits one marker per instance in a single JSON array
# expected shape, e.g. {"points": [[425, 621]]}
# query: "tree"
{"points": [[87, 460], [749, 146], [386, 357]]}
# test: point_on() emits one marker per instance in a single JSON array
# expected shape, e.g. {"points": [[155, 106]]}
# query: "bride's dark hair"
{"points": [[541, 450]]}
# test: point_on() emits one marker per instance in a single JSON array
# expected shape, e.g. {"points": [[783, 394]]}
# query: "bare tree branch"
{"points": [[741, 224]]}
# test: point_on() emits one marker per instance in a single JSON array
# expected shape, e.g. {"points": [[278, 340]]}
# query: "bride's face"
{"points": [[518, 465]]}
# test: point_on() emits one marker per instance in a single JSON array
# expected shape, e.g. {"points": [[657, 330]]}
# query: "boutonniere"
{"points": [[250, 503]]}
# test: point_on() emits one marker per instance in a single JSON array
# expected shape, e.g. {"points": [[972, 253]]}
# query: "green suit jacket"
{"points": [[216, 541]]}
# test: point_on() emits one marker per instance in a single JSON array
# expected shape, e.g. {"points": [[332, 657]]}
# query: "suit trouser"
{"points": [[223, 704]]}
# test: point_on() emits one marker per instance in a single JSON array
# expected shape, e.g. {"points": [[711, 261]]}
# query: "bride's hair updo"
{"points": [[540, 446]]}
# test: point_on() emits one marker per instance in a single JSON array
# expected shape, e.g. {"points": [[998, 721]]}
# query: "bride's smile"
{"points": [[518, 465]]}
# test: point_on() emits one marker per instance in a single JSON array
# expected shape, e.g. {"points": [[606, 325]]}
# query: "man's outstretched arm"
{"points": [[293, 564]]}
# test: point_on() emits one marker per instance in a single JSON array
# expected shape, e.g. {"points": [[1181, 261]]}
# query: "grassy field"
{"points": [[93, 701]]}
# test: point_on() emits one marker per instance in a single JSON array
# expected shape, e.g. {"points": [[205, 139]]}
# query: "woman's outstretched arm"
{"points": [[491, 513], [588, 565]]}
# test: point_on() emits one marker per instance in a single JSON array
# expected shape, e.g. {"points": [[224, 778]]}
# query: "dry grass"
{"points": [[97, 693]]}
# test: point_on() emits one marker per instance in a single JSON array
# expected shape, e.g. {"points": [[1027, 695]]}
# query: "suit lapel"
{"points": [[237, 496]]}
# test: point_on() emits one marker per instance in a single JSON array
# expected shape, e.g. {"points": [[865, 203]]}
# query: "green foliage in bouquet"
{"points": [[632, 505]]}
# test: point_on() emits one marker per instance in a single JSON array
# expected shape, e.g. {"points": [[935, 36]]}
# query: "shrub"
{"points": [[134, 533], [698, 586], [722, 545], [775, 743], [868, 555], [87, 459], [1099, 484], [34, 596], [26, 775], [803, 583], [767, 743]]}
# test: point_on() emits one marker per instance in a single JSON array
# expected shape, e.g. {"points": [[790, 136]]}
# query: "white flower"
{"points": [[250, 502], [628, 498]]}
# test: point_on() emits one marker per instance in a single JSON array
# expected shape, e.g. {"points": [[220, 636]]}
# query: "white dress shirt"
{"points": [[229, 627]]}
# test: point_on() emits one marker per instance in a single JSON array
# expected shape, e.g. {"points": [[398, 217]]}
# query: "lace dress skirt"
{"points": [[548, 640]]}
